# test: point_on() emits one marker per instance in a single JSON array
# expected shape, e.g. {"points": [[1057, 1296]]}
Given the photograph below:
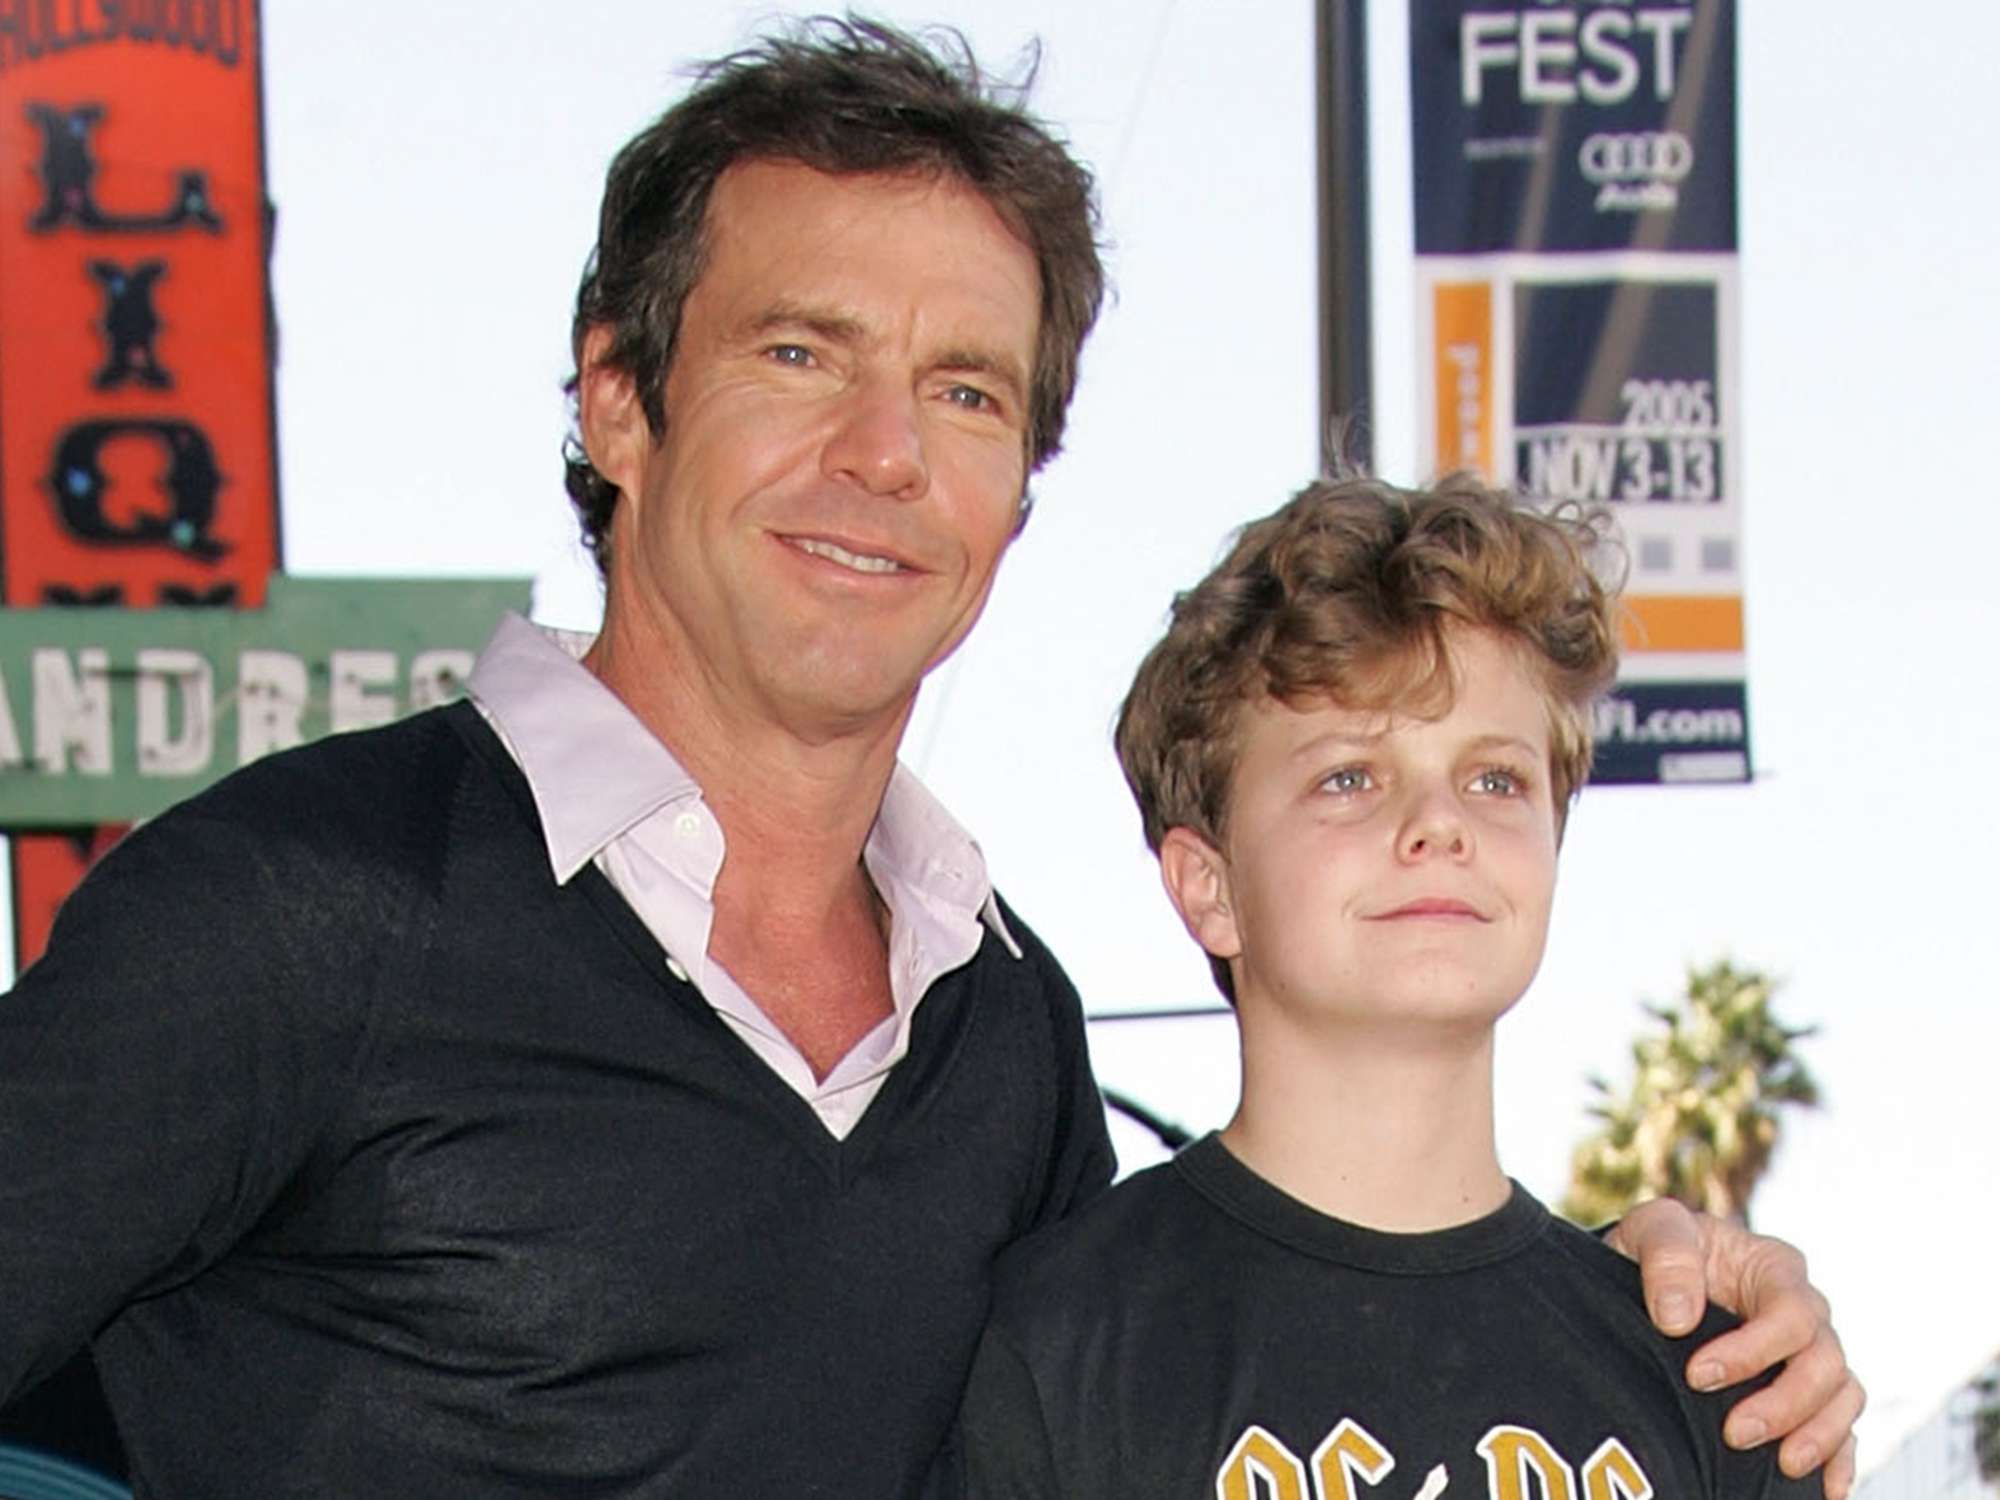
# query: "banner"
{"points": [[137, 462], [1577, 317], [113, 715]]}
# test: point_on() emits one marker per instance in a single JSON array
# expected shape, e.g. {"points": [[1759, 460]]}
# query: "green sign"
{"points": [[111, 715]]}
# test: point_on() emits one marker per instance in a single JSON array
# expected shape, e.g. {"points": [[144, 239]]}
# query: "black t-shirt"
{"points": [[1197, 1332]]}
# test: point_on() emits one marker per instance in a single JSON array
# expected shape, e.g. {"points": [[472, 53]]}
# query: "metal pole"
{"points": [[1346, 375]]}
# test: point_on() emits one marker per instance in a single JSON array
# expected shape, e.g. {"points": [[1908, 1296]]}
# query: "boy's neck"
{"points": [[1380, 1127]]}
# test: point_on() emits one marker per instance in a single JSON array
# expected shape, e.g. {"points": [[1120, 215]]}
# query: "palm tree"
{"points": [[1701, 1118], [1986, 1421]]}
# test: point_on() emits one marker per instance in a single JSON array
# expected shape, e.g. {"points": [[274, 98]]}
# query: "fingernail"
{"points": [[1674, 1308], [1747, 1433], [1707, 1375], [1804, 1459]]}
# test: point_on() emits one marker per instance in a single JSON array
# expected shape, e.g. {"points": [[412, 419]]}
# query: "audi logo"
{"points": [[1661, 155]]}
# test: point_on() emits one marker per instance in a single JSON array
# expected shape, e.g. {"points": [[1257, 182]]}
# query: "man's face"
{"points": [[1383, 869], [844, 453]]}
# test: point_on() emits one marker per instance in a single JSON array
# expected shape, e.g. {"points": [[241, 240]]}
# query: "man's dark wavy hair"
{"points": [[841, 96]]}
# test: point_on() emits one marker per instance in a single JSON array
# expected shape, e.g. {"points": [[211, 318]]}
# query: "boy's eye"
{"points": [[1348, 779], [1497, 781]]}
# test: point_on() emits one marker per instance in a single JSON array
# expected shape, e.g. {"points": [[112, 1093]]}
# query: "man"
{"points": [[624, 1081]]}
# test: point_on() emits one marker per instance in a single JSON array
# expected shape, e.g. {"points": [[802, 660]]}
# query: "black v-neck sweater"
{"points": [[375, 1163]]}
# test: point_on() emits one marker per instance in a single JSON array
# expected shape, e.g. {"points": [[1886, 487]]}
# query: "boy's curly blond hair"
{"points": [[1346, 593]]}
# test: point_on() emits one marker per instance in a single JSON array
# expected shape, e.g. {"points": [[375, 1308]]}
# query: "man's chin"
{"points": [[844, 702]]}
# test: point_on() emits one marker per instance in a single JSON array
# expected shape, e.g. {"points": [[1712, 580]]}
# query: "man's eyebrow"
{"points": [[838, 328], [1004, 368], [846, 330]]}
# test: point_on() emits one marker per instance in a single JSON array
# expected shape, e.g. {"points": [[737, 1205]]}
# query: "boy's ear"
{"points": [[1197, 880], [609, 416]]}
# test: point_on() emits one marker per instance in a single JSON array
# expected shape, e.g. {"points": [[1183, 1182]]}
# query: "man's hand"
{"points": [[1685, 1258]]}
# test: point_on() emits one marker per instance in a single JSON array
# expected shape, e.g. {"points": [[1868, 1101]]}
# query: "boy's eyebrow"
{"points": [[1358, 739], [1504, 742], [1361, 739]]}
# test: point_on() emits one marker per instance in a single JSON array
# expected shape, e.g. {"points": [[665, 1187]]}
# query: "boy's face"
{"points": [[1380, 867]]}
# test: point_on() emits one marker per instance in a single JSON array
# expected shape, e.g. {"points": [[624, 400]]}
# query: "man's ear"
{"points": [[610, 418], [1197, 880]]}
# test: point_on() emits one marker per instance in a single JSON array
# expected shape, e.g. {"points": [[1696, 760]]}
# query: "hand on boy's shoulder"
{"points": [[1738, 1472], [1809, 1410]]}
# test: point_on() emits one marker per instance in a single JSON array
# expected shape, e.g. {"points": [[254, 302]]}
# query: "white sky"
{"points": [[436, 170]]}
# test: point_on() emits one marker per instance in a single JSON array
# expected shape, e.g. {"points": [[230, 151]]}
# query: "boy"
{"points": [[1353, 752]]}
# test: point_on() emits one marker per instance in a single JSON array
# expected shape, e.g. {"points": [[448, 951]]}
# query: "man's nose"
{"points": [[879, 442]]}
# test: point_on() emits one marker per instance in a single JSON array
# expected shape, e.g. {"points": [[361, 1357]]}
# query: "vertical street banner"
{"points": [[137, 457], [1577, 319]]}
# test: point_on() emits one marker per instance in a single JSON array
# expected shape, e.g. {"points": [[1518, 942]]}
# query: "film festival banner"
{"points": [[1577, 321]]}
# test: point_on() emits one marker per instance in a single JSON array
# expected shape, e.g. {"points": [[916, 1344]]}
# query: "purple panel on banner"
{"points": [[1578, 127]]}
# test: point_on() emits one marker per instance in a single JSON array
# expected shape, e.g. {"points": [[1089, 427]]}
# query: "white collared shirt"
{"points": [[608, 792]]}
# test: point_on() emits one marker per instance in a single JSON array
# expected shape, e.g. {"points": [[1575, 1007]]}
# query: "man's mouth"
{"points": [[860, 562]]}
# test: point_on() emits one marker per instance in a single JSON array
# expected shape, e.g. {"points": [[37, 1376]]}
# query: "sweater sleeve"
{"points": [[1001, 1448], [164, 1069], [1081, 1160]]}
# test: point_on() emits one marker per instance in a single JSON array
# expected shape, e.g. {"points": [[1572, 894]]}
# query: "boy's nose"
{"points": [[1435, 826]]}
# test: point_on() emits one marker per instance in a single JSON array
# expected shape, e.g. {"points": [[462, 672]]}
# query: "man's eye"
{"points": [[790, 354], [1348, 779], [971, 397]]}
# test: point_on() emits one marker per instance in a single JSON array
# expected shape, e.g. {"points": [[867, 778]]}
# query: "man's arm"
{"points": [[1081, 1162], [156, 1087], [1000, 1450], [1686, 1258]]}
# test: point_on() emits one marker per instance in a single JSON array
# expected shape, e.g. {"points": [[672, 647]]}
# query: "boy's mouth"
{"points": [[1442, 908]]}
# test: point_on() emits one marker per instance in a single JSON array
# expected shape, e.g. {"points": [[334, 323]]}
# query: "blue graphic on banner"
{"points": [[1647, 732], [1574, 127], [1645, 428]]}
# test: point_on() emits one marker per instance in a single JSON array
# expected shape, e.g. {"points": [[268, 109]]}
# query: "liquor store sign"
{"points": [[112, 715]]}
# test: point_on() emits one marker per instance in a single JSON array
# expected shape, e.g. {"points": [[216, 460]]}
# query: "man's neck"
{"points": [[1388, 1128], [795, 801], [797, 922]]}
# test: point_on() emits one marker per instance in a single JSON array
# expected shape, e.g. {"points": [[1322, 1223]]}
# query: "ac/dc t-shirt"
{"points": [[1198, 1333]]}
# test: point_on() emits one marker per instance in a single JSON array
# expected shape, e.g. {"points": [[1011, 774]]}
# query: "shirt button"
{"points": [[674, 968], [688, 825]]}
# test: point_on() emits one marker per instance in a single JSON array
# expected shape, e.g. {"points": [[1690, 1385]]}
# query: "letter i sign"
{"points": [[137, 464]]}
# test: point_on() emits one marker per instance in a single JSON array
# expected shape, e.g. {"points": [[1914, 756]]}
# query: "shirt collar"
{"points": [[596, 771]]}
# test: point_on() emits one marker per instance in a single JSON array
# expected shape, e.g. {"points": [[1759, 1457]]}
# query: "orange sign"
{"points": [[137, 458], [136, 455], [1462, 366]]}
